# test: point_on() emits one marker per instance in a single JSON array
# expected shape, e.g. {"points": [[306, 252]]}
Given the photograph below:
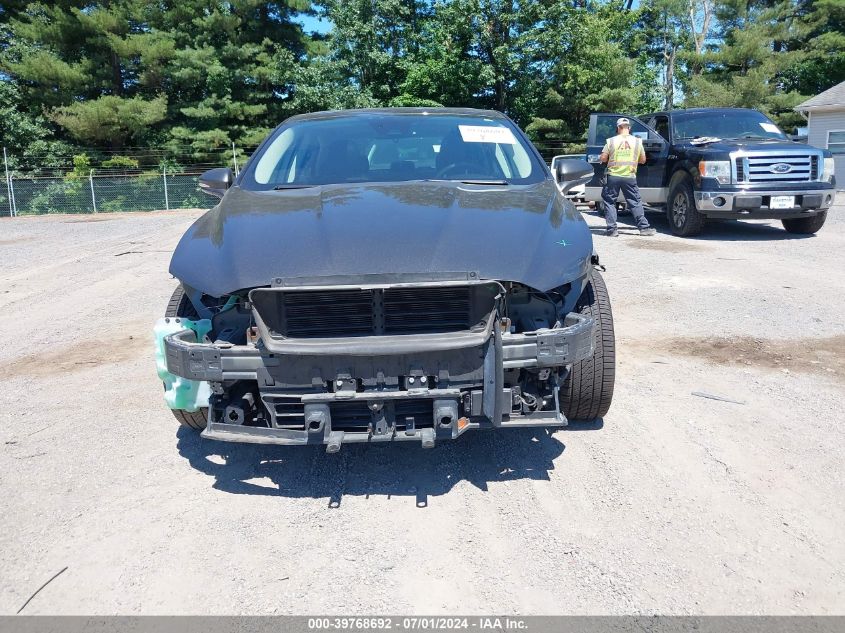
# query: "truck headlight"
{"points": [[718, 169], [827, 170]]}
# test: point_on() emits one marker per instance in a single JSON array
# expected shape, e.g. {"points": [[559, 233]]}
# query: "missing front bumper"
{"points": [[424, 395]]}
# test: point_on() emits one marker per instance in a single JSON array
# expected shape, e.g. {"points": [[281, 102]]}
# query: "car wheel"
{"points": [[587, 392], [805, 226], [684, 218], [180, 306]]}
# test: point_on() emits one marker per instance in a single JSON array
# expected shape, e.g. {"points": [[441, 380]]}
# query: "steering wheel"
{"points": [[456, 169]]}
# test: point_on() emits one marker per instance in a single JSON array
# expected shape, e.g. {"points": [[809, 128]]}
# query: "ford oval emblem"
{"points": [[780, 168]]}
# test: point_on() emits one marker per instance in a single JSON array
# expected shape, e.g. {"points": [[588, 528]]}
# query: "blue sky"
{"points": [[321, 25], [313, 23]]}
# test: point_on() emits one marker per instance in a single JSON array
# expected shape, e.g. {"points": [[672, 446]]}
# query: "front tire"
{"points": [[805, 226], [587, 392], [684, 218], [180, 306]]}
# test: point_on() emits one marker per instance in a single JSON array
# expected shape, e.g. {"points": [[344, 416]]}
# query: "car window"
{"points": [[389, 148], [272, 155]]}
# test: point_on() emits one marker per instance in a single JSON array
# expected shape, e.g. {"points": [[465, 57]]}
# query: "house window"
{"points": [[836, 141]]}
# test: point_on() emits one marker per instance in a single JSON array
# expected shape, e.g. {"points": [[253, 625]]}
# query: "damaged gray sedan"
{"points": [[380, 275]]}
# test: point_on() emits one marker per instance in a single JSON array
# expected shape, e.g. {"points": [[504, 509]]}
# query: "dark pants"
{"points": [[632, 197]]}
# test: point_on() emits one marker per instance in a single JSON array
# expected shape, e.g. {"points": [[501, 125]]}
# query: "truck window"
{"points": [[725, 124], [606, 128], [661, 126]]}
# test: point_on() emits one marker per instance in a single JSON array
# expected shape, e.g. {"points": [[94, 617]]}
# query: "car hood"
{"points": [[524, 233]]}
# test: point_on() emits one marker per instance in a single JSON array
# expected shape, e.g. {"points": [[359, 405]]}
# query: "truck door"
{"points": [[650, 176]]}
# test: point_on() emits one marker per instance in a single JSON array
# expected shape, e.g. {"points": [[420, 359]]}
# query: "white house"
{"points": [[825, 114]]}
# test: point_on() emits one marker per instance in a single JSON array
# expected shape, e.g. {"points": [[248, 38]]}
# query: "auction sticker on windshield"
{"points": [[770, 127], [486, 134]]}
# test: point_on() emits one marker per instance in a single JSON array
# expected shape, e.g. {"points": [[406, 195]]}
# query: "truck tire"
{"points": [[587, 392], [180, 306], [805, 226], [684, 218]]}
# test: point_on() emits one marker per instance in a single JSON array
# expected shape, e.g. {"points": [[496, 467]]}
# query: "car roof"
{"points": [[436, 111]]}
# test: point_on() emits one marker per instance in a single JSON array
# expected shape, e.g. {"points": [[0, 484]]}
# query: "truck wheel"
{"points": [[684, 218], [588, 390], [180, 306], [805, 226]]}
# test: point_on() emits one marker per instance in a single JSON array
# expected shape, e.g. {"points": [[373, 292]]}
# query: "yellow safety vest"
{"points": [[623, 155]]}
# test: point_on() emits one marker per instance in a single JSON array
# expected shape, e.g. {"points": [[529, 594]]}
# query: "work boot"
{"points": [[611, 233], [648, 231]]}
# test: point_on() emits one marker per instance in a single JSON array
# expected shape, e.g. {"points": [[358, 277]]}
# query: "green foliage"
{"points": [[102, 70], [410, 101], [81, 167], [26, 132], [773, 55], [110, 120], [593, 66], [374, 40], [320, 83], [116, 162]]}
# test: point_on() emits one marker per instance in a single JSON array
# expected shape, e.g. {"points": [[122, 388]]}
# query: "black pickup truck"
{"points": [[721, 163]]}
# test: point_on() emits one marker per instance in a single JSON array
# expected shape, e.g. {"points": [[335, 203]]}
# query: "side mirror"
{"points": [[571, 172], [215, 182]]}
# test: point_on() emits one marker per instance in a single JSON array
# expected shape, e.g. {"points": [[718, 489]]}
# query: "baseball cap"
{"points": [[623, 121]]}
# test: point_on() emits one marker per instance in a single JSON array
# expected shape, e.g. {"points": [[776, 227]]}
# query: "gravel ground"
{"points": [[672, 504]]}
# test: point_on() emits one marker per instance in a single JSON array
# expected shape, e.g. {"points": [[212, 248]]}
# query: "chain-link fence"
{"points": [[96, 180], [103, 192], [33, 190]]}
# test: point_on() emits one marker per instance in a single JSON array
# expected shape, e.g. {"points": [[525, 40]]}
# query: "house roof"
{"points": [[831, 97]]}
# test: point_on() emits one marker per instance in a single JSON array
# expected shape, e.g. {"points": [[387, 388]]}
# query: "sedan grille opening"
{"points": [[373, 312], [427, 310], [309, 314]]}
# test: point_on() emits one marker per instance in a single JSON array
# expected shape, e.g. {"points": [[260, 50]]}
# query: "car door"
{"points": [[650, 176]]}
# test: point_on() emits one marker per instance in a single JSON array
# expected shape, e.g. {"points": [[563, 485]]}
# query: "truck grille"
{"points": [[740, 170], [387, 311], [777, 168]]}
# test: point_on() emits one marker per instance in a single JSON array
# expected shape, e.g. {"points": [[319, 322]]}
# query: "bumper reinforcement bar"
{"points": [[490, 398]]}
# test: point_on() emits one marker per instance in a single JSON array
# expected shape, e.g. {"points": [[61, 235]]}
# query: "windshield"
{"points": [[728, 124], [382, 147]]}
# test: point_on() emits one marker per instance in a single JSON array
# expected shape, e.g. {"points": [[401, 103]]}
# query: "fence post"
{"points": [[235, 158], [14, 202], [91, 182], [8, 184], [164, 177]]}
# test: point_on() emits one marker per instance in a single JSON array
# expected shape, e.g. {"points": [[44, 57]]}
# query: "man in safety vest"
{"points": [[623, 153]]}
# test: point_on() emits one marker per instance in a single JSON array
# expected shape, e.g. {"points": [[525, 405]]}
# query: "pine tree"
{"points": [[83, 64], [128, 71]]}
